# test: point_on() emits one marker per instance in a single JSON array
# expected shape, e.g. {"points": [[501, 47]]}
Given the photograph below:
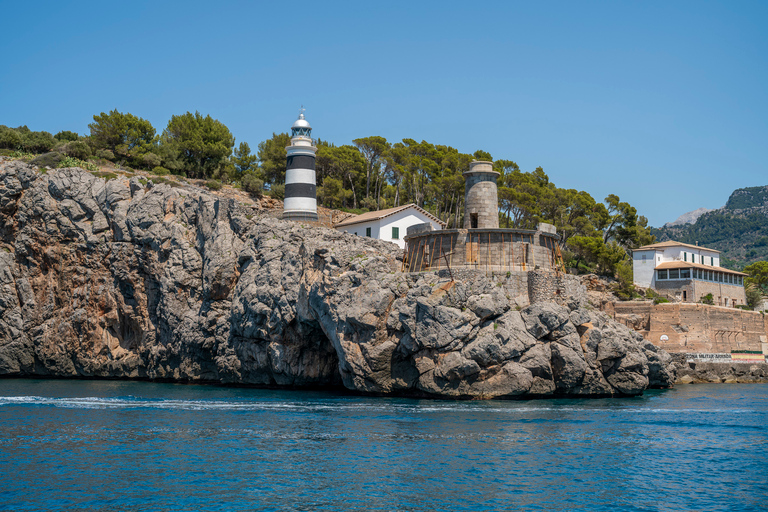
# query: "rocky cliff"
{"points": [[127, 280]]}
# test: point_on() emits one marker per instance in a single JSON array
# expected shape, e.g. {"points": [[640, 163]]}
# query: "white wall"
{"points": [[676, 254], [382, 228], [403, 220], [359, 229], [642, 268]]}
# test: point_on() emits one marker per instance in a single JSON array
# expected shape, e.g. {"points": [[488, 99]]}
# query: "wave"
{"points": [[132, 402]]}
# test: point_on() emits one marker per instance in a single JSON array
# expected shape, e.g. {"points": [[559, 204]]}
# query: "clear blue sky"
{"points": [[662, 103]]}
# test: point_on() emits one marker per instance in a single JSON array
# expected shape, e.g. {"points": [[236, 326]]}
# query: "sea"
{"points": [[139, 446]]}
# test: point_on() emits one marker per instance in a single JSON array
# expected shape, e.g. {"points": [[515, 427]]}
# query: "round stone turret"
{"points": [[481, 197]]}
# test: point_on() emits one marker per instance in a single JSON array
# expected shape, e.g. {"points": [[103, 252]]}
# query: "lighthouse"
{"points": [[300, 182]]}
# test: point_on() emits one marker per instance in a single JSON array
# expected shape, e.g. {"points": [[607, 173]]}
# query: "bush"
{"points": [[38, 142], [77, 149], [660, 300], [106, 154], [9, 138], [160, 171], [252, 184], [66, 135], [213, 184], [76, 162], [151, 160], [51, 160], [277, 191], [708, 299]]}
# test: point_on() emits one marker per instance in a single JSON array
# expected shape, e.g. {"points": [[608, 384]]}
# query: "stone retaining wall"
{"points": [[685, 328], [525, 288]]}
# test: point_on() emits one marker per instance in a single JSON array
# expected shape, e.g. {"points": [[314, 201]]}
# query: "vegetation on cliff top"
{"points": [[372, 173]]}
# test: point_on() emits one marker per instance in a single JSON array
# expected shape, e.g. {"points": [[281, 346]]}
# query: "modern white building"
{"points": [[687, 273], [391, 224]]}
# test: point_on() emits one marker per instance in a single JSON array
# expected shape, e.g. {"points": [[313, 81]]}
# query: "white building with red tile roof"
{"points": [[391, 224], [686, 273]]}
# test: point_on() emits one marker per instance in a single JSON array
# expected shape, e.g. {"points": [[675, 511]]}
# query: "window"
{"points": [[730, 279], [395, 233], [685, 256], [685, 273], [674, 273], [473, 220], [368, 232], [712, 261], [661, 274]]}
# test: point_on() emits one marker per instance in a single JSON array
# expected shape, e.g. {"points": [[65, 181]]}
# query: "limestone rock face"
{"points": [[119, 279]]}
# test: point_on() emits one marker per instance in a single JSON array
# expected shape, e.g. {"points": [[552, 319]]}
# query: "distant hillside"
{"points": [[688, 218], [739, 229], [751, 197]]}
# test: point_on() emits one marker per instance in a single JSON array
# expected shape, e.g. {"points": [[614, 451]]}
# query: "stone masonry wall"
{"points": [[693, 327], [523, 288], [490, 250], [481, 199], [554, 286], [723, 294]]}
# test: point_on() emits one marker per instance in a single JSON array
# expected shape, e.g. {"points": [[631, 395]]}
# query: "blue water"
{"points": [[134, 446]]}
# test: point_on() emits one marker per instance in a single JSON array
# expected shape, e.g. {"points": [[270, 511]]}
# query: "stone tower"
{"points": [[481, 198], [300, 185]]}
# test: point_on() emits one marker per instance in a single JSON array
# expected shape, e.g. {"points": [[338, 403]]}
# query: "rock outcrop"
{"points": [[689, 372], [129, 280]]}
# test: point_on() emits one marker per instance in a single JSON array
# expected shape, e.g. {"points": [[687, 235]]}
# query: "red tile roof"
{"points": [[380, 214]]}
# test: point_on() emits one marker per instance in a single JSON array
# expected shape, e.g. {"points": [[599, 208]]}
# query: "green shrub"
{"points": [[106, 154], [151, 160], [660, 300], [77, 149], [277, 191], [213, 184], [38, 142], [252, 184], [160, 171], [52, 160], [66, 135], [9, 138], [708, 299], [76, 162]]}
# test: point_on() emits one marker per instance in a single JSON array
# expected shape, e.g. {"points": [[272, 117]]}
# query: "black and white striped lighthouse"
{"points": [[300, 185]]}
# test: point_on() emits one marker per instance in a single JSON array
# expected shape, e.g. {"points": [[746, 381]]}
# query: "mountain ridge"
{"points": [[739, 229]]}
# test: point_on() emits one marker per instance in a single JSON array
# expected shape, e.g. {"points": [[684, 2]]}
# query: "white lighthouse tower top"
{"points": [[301, 127]]}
